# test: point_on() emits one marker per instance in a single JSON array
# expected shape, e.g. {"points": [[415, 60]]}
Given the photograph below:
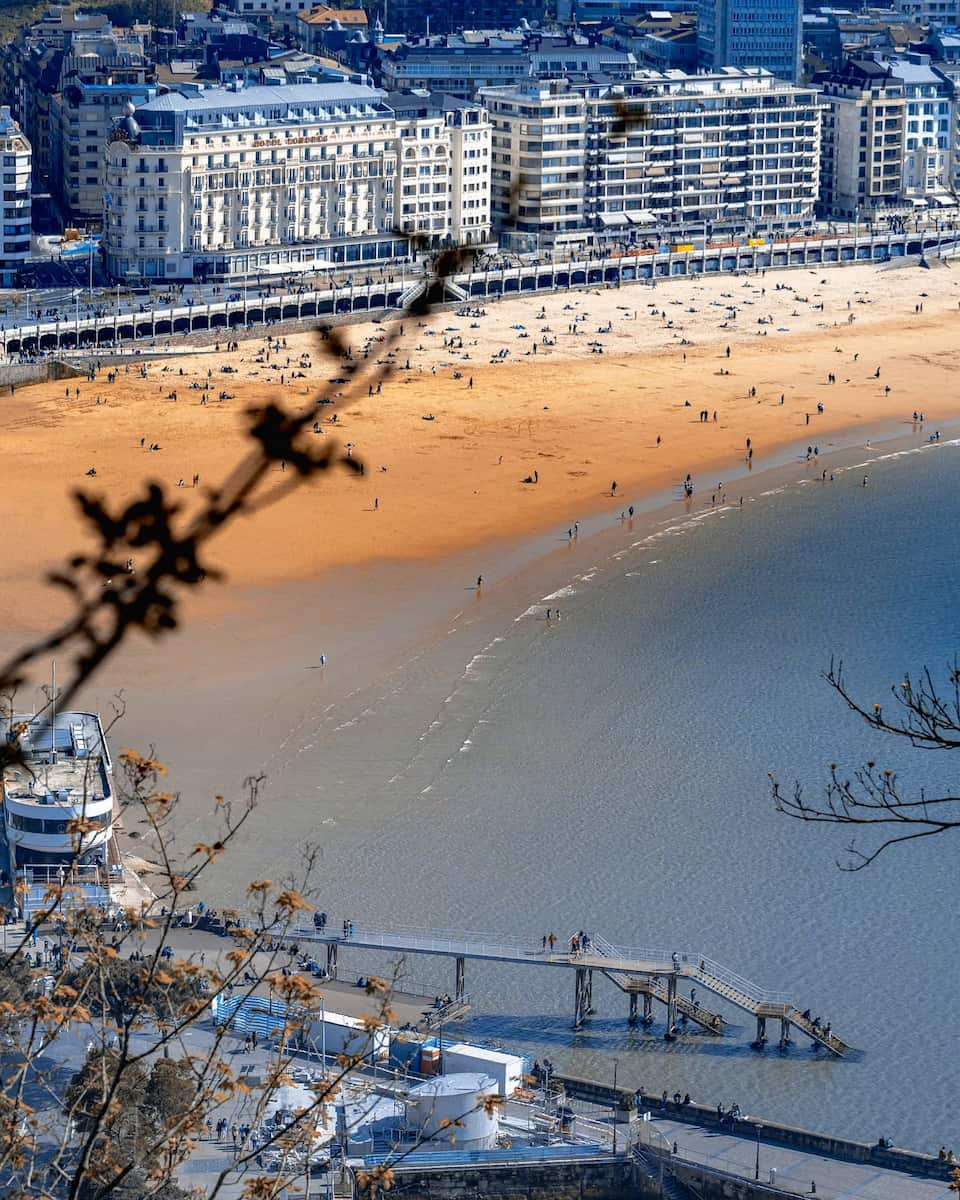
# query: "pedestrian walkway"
{"points": [[795, 1171]]}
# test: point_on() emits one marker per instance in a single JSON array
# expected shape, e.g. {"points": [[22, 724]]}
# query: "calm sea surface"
{"points": [[609, 772]]}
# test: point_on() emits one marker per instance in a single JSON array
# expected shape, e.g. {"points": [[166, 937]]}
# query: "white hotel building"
{"points": [[229, 183]]}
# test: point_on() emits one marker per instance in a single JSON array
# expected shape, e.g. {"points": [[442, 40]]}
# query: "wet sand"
{"points": [[387, 593], [569, 417]]}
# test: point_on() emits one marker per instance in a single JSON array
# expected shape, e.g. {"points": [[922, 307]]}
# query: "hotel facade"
{"points": [[263, 180]]}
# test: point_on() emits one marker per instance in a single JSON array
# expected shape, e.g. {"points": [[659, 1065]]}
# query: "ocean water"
{"points": [[609, 772]]}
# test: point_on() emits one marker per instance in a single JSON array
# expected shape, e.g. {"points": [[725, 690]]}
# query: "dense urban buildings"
{"points": [[272, 180], [463, 64], [448, 16], [720, 134], [731, 151], [751, 33], [15, 212]]}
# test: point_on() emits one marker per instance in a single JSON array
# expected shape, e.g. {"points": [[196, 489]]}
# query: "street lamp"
{"points": [[323, 1035], [616, 1064], [756, 1168]]}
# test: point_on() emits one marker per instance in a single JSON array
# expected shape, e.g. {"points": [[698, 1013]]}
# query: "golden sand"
{"points": [[573, 418]]}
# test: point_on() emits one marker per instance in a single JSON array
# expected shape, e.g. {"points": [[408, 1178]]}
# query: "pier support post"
{"points": [[634, 996], [589, 992], [784, 1032], [580, 1005], [647, 1009], [460, 988], [761, 1032], [671, 1003], [332, 959]]}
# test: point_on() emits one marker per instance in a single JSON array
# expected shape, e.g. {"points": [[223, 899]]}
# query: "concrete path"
{"points": [[796, 1170]]}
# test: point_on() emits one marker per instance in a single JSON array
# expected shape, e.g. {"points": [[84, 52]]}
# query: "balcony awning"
{"points": [[615, 218], [641, 216]]}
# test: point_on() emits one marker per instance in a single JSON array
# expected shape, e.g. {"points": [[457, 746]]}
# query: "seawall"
{"points": [[23, 374], [894, 1158], [607, 1179]]}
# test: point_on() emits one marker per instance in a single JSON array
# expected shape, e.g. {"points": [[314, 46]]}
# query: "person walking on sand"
{"points": [[479, 582], [613, 488]]}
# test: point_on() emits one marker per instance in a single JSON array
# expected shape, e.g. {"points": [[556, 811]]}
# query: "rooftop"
{"points": [[259, 96], [322, 15], [65, 762]]}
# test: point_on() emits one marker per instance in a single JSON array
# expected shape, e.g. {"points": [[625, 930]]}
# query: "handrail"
{"points": [[711, 969], [488, 946]]}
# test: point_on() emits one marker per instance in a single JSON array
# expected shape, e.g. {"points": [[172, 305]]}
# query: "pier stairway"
{"points": [[652, 985], [759, 1002], [829, 1041]]}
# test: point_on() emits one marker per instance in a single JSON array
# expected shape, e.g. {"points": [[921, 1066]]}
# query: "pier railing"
{"points": [[693, 966], [655, 971]]}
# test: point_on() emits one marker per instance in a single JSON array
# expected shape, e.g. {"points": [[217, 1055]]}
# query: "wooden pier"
{"points": [[644, 975]]}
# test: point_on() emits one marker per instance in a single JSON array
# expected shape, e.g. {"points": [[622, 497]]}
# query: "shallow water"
{"points": [[609, 772], [466, 764]]}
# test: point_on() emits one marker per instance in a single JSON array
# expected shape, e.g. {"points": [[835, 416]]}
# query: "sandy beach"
{"points": [[642, 386]]}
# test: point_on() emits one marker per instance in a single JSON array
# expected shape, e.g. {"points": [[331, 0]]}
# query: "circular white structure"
{"points": [[451, 1108]]}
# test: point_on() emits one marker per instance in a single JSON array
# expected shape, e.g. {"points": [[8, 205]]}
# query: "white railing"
{"points": [[703, 966], [480, 945], [430, 941]]}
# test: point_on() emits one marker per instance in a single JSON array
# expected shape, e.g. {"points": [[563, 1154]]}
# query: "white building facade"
{"points": [[738, 150], [928, 150], [444, 162], [275, 180], [15, 213]]}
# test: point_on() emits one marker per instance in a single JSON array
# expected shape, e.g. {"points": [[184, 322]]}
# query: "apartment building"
{"points": [[751, 33], [864, 117], [444, 181], [937, 14], [99, 74], [15, 220], [538, 162], [929, 132], [271, 180], [736, 150], [462, 64], [30, 75], [447, 16]]}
